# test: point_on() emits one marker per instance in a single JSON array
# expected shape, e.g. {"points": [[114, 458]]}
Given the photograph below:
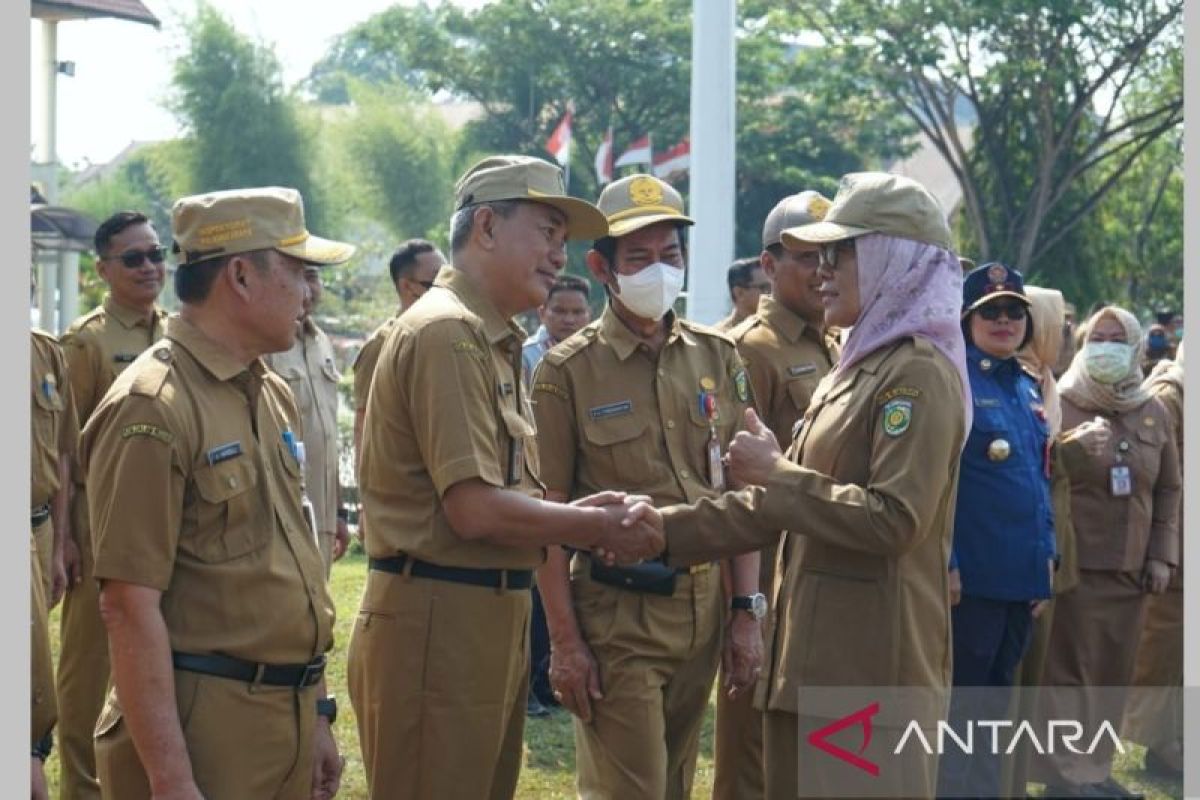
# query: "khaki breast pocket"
{"points": [[1147, 450], [800, 390], [620, 456], [229, 520]]}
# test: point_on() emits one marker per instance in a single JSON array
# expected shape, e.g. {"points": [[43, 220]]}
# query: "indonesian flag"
{"points": [[674, 161], [636, 153], [559, 143], [604, 160]]}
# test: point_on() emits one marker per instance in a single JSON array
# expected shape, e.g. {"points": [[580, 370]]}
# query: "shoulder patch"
{"points": [[145, 429], [899, 391], [741, 385], [152, 373], [897, 416], [551, 388]]}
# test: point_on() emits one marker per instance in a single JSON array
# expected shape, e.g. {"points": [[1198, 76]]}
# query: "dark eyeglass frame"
{"points": [[1015, 311], [133, 259], [827, 256]]}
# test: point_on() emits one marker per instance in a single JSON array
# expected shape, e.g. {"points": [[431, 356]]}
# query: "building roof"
{"points": [[131, 10]]}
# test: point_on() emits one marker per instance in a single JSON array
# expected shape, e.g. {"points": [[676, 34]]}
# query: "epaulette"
{"points": [[152, 372], [45, 335], [80, 323], [739, 331], [574, 344], [708, 330], [1030, 371]]}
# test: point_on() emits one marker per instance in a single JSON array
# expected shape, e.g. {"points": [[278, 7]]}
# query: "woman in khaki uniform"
{"points": [[866, 499], [1125, 508], [1154, 716]]}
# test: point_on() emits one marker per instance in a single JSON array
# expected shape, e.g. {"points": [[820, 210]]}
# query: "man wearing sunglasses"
{"points": [[1003, 553], [747, 282], [99, 346]]}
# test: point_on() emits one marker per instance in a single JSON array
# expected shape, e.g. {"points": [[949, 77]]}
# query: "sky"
{"points": [[123, 69]]}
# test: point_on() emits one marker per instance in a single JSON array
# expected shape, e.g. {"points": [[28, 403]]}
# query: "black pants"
{"points": [[990, 639], [539, 653]]}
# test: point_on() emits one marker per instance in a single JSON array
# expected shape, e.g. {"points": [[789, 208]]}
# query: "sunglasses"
{"points": [[827, 256], [992, 311], [135, 258]]}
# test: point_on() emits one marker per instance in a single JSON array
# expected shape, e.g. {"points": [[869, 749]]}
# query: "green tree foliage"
{"points": [[1050, 128], [242, 126]]}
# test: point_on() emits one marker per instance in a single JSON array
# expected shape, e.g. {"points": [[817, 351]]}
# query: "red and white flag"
{"points": [[604, 160], [559, 143], [674, 161], [637, 153]]}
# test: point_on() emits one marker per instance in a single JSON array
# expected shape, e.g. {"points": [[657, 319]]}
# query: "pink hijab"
{"points": [[908, 288]]}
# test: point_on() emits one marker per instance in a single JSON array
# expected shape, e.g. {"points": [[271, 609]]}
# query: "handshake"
{"points": [[627, 528]]}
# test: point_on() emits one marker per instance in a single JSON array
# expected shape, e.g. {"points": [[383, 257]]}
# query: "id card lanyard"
{"points": [[1120, 479], [716, 470]]}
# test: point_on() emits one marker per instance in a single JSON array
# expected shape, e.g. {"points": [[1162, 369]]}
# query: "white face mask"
{"points": [[651, 292], [1107, 362]]}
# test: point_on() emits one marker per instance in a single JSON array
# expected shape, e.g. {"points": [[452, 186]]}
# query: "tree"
{"points": [[1046, 85], [242, 127]]}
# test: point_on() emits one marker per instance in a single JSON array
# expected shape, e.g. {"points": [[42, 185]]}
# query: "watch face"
{"points": [[759, 606]]}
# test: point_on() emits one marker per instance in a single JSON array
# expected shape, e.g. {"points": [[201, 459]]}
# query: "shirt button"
{"points": [[683, 473], [231, 481], [670, 424], [662, 373]]}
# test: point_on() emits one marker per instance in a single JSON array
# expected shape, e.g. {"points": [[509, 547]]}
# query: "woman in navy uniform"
{"points": [[1002, 559]]}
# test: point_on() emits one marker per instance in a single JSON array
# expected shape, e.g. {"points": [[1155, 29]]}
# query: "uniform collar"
{"points": [[306, 328], [127, 316], [495, 326], [990, 365], [210, 355], [784, 320], [623, 341]]}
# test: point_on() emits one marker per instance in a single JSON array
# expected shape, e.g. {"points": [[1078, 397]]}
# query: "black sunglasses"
{"points": [[992, 311], [135, 258]]}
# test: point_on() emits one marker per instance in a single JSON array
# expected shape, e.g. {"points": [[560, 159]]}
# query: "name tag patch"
{"points": [[611, 410], [223, 452], [802, 369], [125, 358], [986, 402]]}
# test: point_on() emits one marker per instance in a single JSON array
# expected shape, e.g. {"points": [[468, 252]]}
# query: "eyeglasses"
{"points": [[135, 258], [992, 311], [827, 256]]}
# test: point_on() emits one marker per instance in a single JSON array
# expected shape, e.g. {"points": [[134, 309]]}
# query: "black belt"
{"points": [[295, 675], [39, 515], [493, 578]]}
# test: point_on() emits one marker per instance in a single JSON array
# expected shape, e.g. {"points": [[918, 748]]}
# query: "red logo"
{"points": [[820, 738]]}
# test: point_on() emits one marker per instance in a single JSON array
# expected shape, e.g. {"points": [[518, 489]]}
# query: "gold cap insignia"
{"points": [[645, 192]]}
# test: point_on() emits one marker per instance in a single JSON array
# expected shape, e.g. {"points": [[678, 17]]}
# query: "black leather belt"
{"points": [[295, 675], [493, 578], [39, 515]]}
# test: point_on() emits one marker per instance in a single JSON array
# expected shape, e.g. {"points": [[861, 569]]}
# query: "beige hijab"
{"points": [[1124, 395], [1047, 310]]}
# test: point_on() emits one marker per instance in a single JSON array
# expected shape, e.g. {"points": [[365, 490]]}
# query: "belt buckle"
{"points": [[696, 569], [312, 672]]}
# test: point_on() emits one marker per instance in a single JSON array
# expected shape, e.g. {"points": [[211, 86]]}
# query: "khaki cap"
{"points": [[637, 201], [877, 202], [526, 178], [793, 211], [269, 218]]}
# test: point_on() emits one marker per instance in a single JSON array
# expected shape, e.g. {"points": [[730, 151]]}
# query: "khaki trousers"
{"points": [[41, 674], [43, 547], [438, 675], [657, 656], [245, 742], [738, 757], [83, 668]]}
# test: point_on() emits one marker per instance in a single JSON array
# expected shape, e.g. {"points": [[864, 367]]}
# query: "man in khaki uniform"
{"points": [[54, 429], [99, 346], [787, 350], [211, 585], [43, 707], [413, 267], [643, 401], [747, 283], [312, 374], [438, 661]]}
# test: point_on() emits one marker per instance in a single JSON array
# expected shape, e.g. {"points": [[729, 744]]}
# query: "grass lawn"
{"points": [[549, 743]]}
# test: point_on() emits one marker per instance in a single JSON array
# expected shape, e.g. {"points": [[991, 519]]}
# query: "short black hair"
{"points": [[113, 226], [570, 283], [607, 245], [740, 272], [404, 260], [194, 281]]}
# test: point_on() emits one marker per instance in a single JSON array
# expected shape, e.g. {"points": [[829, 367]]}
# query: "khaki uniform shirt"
{"points": [[365, 361], [54, 428], [100, 345], [446, 405], [786, 358], [726, 324], [195, 492], [1120, 533], [612, 414], [861, 596], [1170, 394], [312, 374]]}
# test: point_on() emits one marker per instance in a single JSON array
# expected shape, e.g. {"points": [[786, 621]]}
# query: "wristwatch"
{"points": [[756, 604], [327, 707]]}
